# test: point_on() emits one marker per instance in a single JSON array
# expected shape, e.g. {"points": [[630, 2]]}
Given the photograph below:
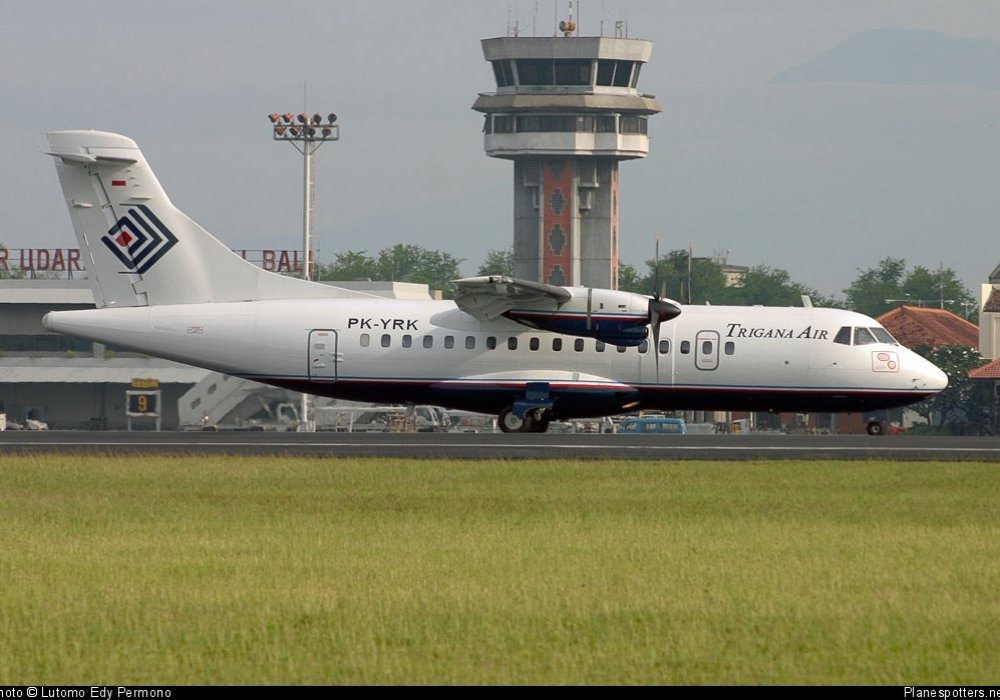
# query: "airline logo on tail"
{"points": [[139, 239]]}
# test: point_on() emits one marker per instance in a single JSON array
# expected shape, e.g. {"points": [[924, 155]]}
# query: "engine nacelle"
{"points": [[614, 317]]}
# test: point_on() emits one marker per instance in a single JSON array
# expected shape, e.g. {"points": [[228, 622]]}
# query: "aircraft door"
{"points": [[706, 350], [323, 354]]}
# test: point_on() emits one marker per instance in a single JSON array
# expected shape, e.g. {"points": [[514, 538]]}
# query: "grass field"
{"points": [[273, 570]]}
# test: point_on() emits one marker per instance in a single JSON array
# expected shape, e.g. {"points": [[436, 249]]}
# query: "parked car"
{"points": [[653, 425]]}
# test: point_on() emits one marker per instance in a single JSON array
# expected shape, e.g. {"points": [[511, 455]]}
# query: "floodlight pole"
{"points": [[306, 133], [308, 199]]}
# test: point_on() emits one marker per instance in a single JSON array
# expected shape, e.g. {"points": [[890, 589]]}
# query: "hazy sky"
{"points": [[792, 135]]}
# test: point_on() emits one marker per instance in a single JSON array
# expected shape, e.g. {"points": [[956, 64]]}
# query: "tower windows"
{"points": [[560, 71], [605, 124], [634, 124], [503, 73], [503, 124], [534, 72], [565, 123], [571, 72], [617, 73]]}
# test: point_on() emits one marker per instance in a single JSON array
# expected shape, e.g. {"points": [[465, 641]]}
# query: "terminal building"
{"points": [[566, 110]]}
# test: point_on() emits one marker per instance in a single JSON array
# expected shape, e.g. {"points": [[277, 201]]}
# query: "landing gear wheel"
{"points": [[876, 428], [538, 420], [510, 423], [534, 421]]}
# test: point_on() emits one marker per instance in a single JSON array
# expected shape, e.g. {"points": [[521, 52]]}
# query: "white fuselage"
{"points": [[712, 358]]}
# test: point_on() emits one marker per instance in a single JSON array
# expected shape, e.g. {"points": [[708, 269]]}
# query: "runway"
{"points": [[467, 446]]}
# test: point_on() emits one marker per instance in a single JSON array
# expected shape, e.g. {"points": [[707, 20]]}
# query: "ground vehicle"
{"points": [[653, 425]]}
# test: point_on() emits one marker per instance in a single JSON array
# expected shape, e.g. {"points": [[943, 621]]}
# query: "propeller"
{"points": [[654, 308], [659, 309]]}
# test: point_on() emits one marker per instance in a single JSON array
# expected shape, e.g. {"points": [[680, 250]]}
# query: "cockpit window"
{"points": [[863, 336], [883, 335], [843, 336]]}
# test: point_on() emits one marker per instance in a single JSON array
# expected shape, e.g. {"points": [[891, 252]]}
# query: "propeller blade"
{"points": [[656, 269], [655, 323], [660, 310]]}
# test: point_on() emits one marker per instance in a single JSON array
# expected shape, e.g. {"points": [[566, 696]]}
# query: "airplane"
{"points": [[525, 351]]}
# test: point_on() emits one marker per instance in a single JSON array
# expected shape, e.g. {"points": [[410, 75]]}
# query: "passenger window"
{"points": [[407, 341], [386, 339], [428, 341], [365, 340], [644, 347], [843, 336], [599, 346], [862, 336], [685, 347], [470, 342], [491, 343], [512, 343], [622, 348], [557, 344], [449, 341], [578, 344], [664, 347], [730, 348], [533, 344], [706, 347]]}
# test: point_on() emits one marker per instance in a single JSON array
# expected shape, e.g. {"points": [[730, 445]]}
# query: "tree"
{"points": [[965, 402], [412, 263], [352, 266], [498, 262], [768, 287], [629, 280], [400, 263], [877, 290], [939, 288], [869, 292], [685, 279], [5, 271]]}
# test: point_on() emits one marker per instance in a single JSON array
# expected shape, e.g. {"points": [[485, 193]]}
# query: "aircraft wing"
{"points": [[486, 298]]}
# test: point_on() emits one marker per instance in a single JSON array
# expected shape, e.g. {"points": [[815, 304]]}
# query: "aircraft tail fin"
{"points": [[141, 250]]}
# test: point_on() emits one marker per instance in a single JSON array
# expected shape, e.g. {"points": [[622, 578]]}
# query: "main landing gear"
{"points": [[530, 414], [535, 420], [876, 428]]}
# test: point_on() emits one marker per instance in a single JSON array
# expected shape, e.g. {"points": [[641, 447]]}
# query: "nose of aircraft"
{"points": [[931, 378]]}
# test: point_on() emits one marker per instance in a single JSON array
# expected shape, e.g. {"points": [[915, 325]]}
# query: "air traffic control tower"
{"points": [[566, 110]]}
